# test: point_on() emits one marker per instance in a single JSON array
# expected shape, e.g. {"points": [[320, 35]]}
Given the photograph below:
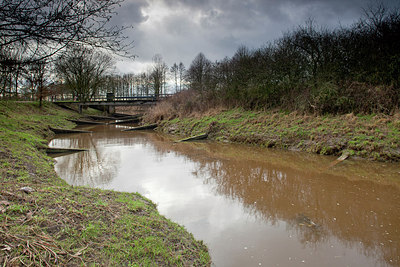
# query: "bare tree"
{"points": [[182, 70], [39, 72], [83, 71], [158, 74], [174, 70], [11, 70], [129, 80], [199, 72], [144, 83], [46, 27]]}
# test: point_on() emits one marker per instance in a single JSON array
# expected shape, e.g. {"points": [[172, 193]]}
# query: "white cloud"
{"points": [[129, 66]]}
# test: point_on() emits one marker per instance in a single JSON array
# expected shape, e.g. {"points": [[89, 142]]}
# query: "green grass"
{"points": [[374, 137], [59, 224]]}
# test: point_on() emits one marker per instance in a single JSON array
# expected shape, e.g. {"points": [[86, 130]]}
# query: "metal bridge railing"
{"points": [[111, 98]]}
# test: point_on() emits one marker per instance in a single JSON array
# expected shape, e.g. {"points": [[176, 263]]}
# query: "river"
{"points": [[251, 206]]}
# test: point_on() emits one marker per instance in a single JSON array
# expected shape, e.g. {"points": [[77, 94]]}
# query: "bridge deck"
{"points": [[103, 101], [116, 103]]}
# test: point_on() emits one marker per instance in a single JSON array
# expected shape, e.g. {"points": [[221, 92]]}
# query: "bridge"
{"points": [[109, 102]]}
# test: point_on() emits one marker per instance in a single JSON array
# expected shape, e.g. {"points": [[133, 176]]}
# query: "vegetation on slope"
{"points": [[375, 137], [58, 224]]}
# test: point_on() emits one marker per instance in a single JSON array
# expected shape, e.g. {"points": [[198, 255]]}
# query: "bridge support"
{"points": [[110, 109]]}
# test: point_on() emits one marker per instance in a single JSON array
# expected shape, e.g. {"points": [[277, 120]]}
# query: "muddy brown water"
{"points": [[251, 206]]}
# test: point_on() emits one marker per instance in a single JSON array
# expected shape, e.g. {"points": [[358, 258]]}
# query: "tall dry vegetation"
{"points": [[310, 69], [187, 102]]}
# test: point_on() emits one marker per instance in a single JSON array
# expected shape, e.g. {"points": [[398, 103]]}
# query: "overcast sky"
{"points": [[180, 29]]}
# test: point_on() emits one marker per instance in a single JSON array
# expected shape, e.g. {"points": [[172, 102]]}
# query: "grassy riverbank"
{"points": [[58, 224], [375, 137]]}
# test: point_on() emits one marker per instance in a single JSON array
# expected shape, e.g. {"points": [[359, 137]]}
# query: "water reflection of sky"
{"points": [[245, 210]]}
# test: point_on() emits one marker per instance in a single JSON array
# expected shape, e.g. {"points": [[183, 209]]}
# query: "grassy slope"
{"points": [[62, 225], [375, 137]]}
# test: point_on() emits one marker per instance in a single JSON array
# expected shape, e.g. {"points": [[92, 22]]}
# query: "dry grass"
{"points": [[183, 104]]}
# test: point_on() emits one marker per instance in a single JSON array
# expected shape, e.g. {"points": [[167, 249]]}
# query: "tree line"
{"points": [[83, 73], [34, 33], [65, 48], [158, 79], [311, 69]]}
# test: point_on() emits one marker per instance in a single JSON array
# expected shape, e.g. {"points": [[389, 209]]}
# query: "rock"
{"points": [[27, 189]]}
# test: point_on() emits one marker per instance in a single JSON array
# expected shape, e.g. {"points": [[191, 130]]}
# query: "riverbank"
{"points": [[372, 137], [44, 221]]}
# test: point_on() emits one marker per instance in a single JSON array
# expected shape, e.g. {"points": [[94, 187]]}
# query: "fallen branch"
{"points": [[194, 138]]}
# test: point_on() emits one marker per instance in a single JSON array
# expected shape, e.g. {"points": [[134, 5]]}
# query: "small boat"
{"points": [[66, 131], [100, 118], [83, 122], [55, 150], [120, 121], [194, 138], [143, 127], [58, 152], [127, 117]]}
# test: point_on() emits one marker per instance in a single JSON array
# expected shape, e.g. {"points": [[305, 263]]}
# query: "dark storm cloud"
{"points": [[179, 29], [270, 7], [237, 12], [130, 13]]}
